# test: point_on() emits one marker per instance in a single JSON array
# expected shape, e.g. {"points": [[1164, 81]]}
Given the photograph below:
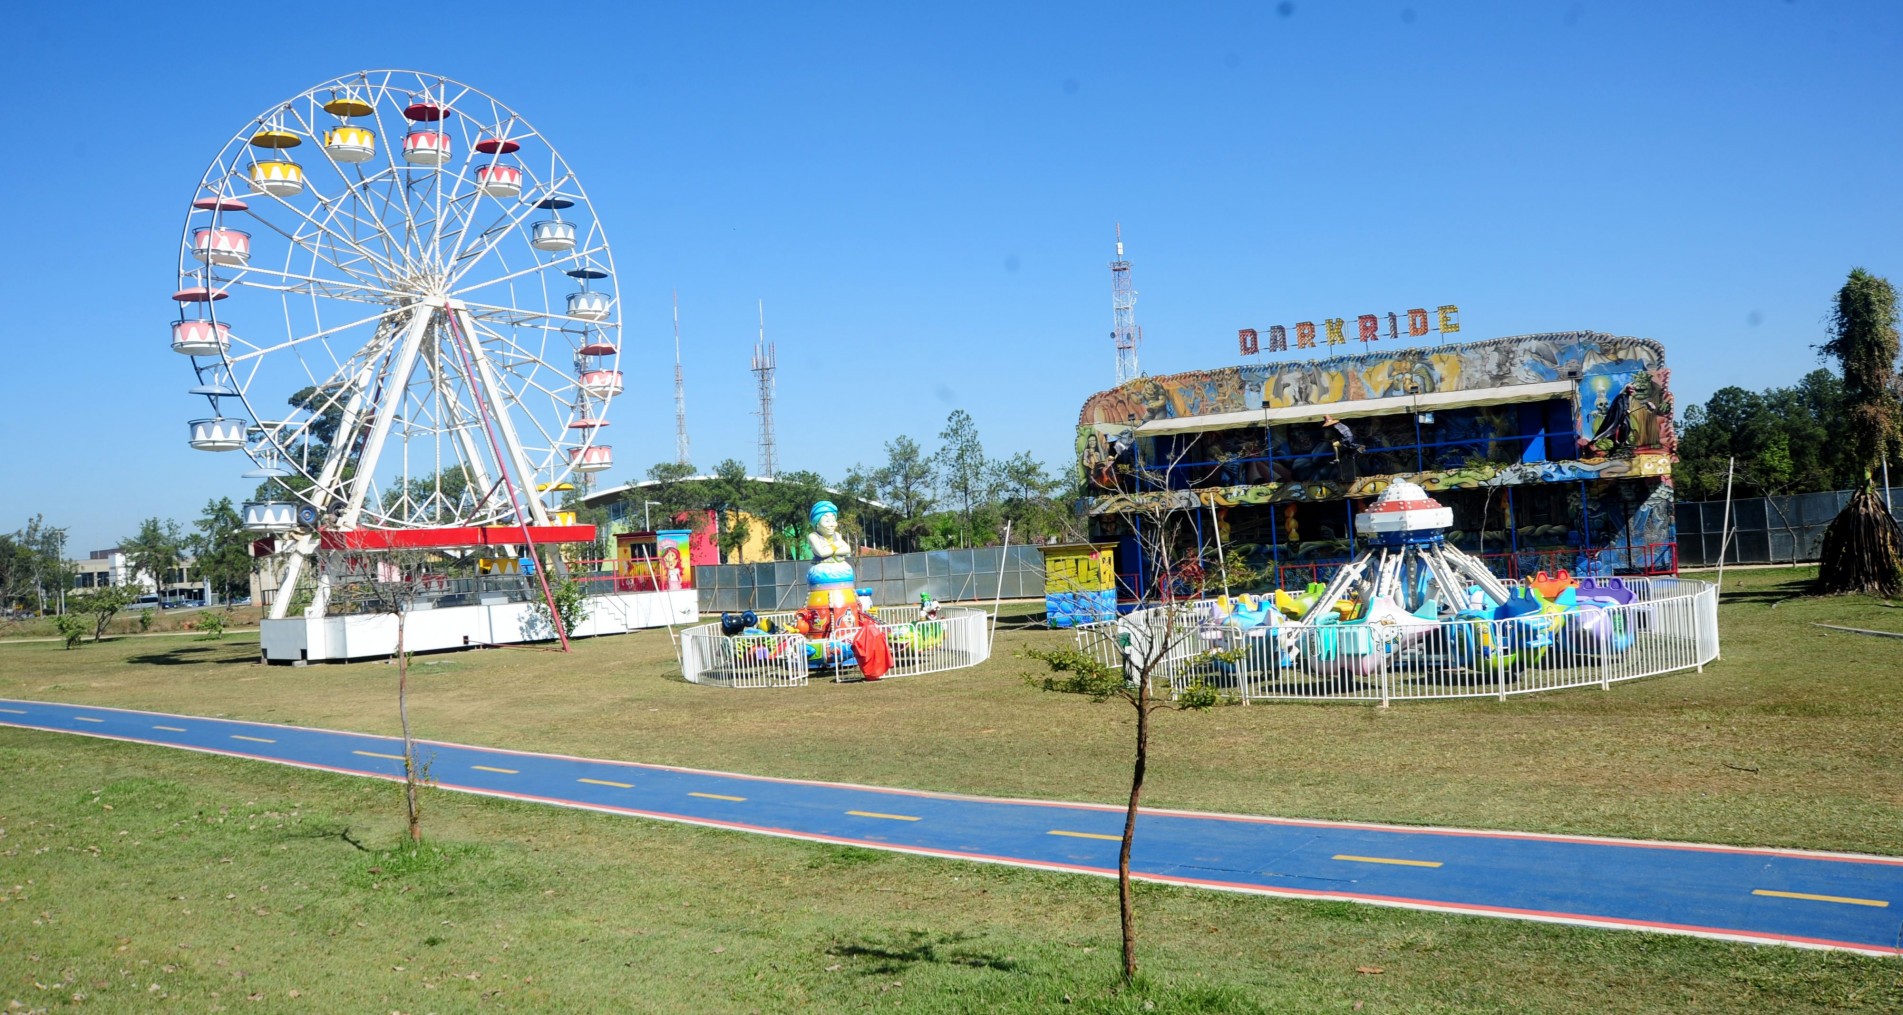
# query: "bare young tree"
{"points": [[389, 582], [1130, 659]]}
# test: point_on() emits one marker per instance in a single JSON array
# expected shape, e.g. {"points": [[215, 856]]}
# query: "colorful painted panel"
{"points": [[1623, 403], [1079, 567]]}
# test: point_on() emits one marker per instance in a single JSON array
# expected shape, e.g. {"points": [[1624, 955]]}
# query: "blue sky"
{"points": [[924, 197]]}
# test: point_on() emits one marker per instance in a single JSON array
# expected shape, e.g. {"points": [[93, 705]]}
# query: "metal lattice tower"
{"points": [[763, 366], [681, 454], [1123, 306]]}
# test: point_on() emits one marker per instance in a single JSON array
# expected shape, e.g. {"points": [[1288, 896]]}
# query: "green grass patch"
{"points": [[120, 861], [209, 883]]}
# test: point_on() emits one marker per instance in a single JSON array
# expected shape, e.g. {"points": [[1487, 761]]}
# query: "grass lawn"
{"points": [[1790, 740]]}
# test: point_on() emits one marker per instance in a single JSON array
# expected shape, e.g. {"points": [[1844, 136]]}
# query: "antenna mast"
{"points": [[763, 366], [680, 391], [1123, 305]]}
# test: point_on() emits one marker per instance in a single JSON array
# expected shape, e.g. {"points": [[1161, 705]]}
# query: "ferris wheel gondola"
{"points": [[425, 331]]}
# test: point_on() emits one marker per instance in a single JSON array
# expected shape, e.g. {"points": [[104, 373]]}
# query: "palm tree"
{"points": [[1863, 550]]}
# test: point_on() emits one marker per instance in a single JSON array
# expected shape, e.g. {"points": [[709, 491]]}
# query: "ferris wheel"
{"points": [[399, 303]]}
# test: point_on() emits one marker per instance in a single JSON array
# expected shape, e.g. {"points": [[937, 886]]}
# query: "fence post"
{"points": [[1498, 645]]}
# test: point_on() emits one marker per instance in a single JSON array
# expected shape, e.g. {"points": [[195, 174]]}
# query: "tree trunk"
{"points": [[409, 746], [1863, 550], [1125, 902]]}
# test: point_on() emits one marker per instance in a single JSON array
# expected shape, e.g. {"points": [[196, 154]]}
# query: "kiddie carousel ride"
{"points": [[1413, 592], [839, 626], [403, 292]]}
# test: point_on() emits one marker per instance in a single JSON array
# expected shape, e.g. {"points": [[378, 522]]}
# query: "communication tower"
{"points": [[1123, 305], [763, 366], [680, 391]]}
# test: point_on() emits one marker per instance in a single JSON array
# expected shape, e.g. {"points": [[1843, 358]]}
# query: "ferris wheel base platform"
{"points": [[298, 640]]}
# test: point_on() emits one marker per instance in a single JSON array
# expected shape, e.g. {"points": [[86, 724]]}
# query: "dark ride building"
{"points": [[1553, 450]]}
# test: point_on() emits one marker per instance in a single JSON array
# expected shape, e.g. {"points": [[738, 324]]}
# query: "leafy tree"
{"points": [[1784, 440], [1863, 549], [33, 564], [156, 551], [104, 604], [571, 605], [325, 404], [785, 505], [18, 582], [433, 499], [905, 480], [676, 499], [961, 466], [71, 628], [221, 549], [1029, 500], [728, 492], [857, 513]]}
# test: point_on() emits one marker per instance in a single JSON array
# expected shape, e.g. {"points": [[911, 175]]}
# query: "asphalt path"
{"points": [[1774, 896]]}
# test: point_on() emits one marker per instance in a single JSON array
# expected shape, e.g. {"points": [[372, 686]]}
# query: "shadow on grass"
{"points": [[188, 655], [897, 954], [1797, 588]]}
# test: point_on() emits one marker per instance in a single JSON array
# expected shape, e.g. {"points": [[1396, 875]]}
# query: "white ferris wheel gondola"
{"points": [[398, 317]]}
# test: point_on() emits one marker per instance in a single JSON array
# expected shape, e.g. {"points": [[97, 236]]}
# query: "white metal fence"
{"points": [[959, 637], [1671, 624]]}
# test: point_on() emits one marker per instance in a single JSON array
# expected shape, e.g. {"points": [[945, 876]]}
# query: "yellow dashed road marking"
{"points": [[373, 754], [876, 814], [718, 796], [604, 782], [1384, 859], [1085, 835], [1846, 900], [504, 771]]}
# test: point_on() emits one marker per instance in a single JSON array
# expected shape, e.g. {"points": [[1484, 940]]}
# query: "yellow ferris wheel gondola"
{"points": [[273, 135], [347, 102]]}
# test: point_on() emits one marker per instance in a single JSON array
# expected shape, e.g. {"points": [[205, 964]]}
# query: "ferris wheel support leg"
{"points": [[394, 384], [492, 394], [287, 586]]}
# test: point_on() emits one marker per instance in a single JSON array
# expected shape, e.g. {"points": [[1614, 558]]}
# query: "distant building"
{"points": [[105, 568]]}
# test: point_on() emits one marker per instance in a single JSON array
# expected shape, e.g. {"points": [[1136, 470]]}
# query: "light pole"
{"points": [[647, 523]]}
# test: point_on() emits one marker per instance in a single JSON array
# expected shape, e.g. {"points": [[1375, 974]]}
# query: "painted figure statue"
{"points": [[829, 581]]}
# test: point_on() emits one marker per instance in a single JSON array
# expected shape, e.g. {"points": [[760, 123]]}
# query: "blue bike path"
{"points": [[1795, 897]]}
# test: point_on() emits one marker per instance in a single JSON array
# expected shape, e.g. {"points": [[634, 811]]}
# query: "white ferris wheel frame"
{"points": [[415, 310]]}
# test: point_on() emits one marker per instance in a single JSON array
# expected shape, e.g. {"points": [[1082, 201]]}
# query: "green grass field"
{"points": [[220, 881]]}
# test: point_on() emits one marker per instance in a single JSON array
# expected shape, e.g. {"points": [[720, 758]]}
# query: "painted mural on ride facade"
{"points": [[1598, 416]]}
